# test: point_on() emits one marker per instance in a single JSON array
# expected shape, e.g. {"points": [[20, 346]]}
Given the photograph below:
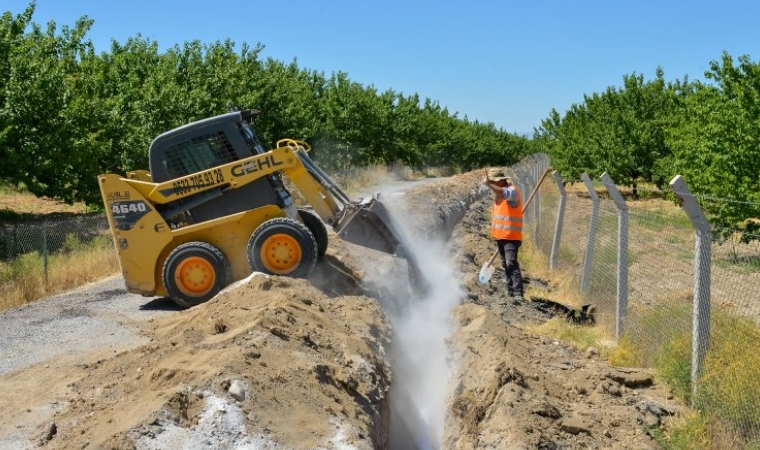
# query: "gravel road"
{"points": [[98, 315]]}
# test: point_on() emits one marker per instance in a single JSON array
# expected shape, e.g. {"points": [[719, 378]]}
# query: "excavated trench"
{"points": [[465, 373], [348, 359], [422, 322]]}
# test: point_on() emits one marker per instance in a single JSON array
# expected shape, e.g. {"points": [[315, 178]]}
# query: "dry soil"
{"points": [[280, 363]]}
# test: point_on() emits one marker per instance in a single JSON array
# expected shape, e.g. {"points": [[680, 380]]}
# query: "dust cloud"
{"points": [[421, 326]]}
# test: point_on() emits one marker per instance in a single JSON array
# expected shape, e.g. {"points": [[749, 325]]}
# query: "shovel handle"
{"points": [[492, 258], [525, 206]]}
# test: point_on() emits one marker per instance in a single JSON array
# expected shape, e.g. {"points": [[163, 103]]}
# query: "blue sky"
{"points": [[507, 62]]}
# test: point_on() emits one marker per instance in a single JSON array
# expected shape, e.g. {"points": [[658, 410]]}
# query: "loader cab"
{"points": [[206, 144]]}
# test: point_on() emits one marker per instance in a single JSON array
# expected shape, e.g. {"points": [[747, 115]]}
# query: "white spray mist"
{"points": [[421, 327]]}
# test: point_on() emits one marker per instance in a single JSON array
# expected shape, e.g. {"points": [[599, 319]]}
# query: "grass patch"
{"points": [[17, 205], [581, 337], [566, 254], [565, 289], [688, 432], [698, 431], [661, 220], [24, 279], [652, 331], [9, 189], [738, 263], [730, 387], [728, 394], [678, 240]]}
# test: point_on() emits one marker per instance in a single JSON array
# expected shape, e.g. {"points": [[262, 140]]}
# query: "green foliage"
{"points": [[42, 72], [714, 142], [620, 131], [68, 114], [28, 265], [653, 130]]}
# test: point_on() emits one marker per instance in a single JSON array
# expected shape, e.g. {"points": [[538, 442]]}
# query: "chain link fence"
{"points": [[640, 264], [35, 244], [672, 297]]}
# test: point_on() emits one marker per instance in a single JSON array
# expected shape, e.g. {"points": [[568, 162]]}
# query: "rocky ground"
{"points": [[347, 359]]}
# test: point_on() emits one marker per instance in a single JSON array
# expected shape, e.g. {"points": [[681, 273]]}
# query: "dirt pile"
{"points": [[307, 364], [272, 361]]}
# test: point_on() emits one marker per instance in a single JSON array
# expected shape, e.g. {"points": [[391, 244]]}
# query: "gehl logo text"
{"points": [[255, 166]]}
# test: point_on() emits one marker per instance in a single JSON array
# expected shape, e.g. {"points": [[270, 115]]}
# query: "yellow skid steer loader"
{"points": [[213, 208]]}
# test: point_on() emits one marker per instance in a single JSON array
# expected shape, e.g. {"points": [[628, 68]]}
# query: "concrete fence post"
{"points": [[45, 250], [560, 220], [622, 255], [537, 173], [591, 239], [700, 343], [521, 179]]}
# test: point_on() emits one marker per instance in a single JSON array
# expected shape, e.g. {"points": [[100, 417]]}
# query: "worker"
{"points": [[506, 227]]}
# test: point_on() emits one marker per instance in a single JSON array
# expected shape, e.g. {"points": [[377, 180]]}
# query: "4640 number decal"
{"points": [[128, 207], [127, 213]]}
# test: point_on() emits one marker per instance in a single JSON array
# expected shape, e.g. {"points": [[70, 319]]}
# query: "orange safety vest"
{"points": [[506, 219]]}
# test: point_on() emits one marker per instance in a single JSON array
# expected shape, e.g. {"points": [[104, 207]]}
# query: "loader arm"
{"points": [[238, 174], [365, 223]]}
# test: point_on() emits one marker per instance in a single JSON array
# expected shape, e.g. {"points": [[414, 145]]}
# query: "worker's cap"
{"points": [[497, 174]]}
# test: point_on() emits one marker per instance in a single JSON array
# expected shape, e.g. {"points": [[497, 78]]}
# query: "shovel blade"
{"points": [[485, 273]]}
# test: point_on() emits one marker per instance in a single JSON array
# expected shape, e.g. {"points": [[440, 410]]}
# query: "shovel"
{"points": [[488, 268]]}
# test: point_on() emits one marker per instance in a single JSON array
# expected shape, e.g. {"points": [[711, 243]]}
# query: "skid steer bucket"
{"points": [[368, 223]]}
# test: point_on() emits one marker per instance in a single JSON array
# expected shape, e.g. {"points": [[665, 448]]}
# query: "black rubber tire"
{"points": [[305, 241], [317, 228], [222, 275]]}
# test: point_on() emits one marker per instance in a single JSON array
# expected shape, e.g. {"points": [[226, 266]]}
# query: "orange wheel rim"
{"points": [[281, 253], [195, 276]]}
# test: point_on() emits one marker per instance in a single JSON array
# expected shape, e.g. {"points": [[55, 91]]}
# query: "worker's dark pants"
{"points": [[508, 251]]}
